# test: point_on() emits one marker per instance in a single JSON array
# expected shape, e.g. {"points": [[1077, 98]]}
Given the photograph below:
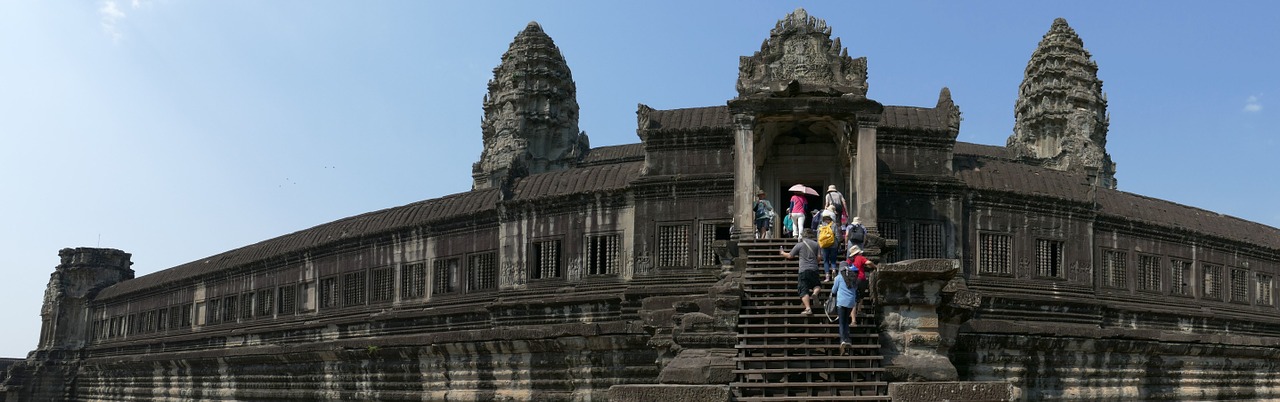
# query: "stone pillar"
{"points": [[864, 171], [744, 177]]}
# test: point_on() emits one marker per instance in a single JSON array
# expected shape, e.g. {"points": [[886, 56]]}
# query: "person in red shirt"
{"points": [[864, 266]]}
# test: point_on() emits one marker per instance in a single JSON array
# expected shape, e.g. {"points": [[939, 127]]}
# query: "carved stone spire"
{"points": [[530, 120], [1061, 114], [800, 58]]}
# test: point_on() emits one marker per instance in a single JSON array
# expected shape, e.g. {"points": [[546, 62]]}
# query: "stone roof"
{"points": [[691, 118], [601, 177], [1165, 213], [1020, 178], [894, 117], [986, 151], [613, 154], [986, 173], [368, 224], [578, 181]]}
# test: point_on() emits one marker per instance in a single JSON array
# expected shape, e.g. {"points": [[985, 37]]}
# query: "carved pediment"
{"points": [[800, 58]]}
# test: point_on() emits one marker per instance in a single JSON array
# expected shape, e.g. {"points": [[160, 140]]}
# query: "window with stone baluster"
{"points": [[381, 287], [1239, 286], [673, 246], [1263, 289], [1212, 281], [545, 259], [1180, 277], [482, 272], [995, 253], [1114, 271], [926, 240], [354, 288], [287, 297], [602, 254], [1049, 259], [444, 276], [266, 303], [413, 281], [1149, 273]]}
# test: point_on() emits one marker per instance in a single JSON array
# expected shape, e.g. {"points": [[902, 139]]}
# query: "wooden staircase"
{"points": [[784, 355]]}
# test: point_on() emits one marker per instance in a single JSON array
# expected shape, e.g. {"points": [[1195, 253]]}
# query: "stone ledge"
{"points": [[969, 391], [669, 393]]}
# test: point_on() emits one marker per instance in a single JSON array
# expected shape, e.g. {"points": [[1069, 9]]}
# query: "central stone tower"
{"points": [[1061, 112], [530, 120]]}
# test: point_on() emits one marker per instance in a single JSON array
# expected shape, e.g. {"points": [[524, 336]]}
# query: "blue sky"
{"points": [[175, 130]]}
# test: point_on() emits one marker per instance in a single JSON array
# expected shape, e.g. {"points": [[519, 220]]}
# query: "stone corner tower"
{"points": [[530, 122], [1061, 114], [64, 318]]}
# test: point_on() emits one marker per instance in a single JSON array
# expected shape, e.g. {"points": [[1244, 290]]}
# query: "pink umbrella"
{"points": [[810, 191], [799, 188]]}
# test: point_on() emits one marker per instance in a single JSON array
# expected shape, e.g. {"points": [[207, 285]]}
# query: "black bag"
{"points": [[857, 234], [829, 305]]}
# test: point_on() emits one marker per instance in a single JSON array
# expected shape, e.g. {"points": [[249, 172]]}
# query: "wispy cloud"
{"points": [[111, 16], [1253, 104]]}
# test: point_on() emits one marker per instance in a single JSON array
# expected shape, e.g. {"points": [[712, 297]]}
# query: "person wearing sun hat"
{"points": [[834, 199], [764, 215]]}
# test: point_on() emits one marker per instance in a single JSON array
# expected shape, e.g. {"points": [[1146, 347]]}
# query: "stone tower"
{"points": [[1061, 112], [530, 120], [77, 280]]}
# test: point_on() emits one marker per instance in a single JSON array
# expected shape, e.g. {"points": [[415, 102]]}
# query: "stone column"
{"points": [[744, 177], [864, 171]]}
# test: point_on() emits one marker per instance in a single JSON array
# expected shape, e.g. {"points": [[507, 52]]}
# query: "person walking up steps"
{"points": [[807, 284], [796, 209], [846, 292], [835, 200], [764, 215], [830, 247]]}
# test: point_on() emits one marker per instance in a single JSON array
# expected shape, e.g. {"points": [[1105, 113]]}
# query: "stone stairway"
{"points": [[784, 355]]}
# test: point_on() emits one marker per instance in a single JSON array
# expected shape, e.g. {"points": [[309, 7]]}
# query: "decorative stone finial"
{"points": [[953, 111], [1061, 114], [800, 58], [530, 122]]}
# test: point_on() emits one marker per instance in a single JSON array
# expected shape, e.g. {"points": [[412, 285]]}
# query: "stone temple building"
{"points": [[628, 272]]}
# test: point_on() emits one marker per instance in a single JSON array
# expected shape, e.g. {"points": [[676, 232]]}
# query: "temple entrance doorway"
{"points": [[812, 153]]}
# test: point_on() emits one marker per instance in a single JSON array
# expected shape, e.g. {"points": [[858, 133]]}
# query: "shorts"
{"points": [[763, 223], [807, 281]]}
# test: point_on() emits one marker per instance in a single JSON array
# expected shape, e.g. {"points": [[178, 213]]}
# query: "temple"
{"points": [[629, 272]]}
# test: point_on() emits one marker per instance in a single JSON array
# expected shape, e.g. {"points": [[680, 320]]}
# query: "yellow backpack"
{"points": [[826, 236]]}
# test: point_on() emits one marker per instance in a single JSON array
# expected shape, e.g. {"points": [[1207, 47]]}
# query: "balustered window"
{"points": [[482, 272], [162, 319], [995, 254], [926, 240], [149, 321], [1115, 271], [354, 286], [1264, 290], [381, 286], [710, 233], [1149, 273], [1180, 277], [673, 246], [246, 306], [213, 311], [1239, 286], [187, 311], [889, 230], [288, 296], [602, 254], [1212, 281], [266, 303], [328, 292], [413, 281], [230, 307], [1049, 259], [444, 276], [545, 259]]}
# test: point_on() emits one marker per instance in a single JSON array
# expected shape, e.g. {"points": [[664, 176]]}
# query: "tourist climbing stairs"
{"points": [[784, 355]]}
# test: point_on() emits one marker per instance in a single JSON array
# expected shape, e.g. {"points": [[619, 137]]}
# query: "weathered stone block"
{"points": [[951, 391], [669, 393]]}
